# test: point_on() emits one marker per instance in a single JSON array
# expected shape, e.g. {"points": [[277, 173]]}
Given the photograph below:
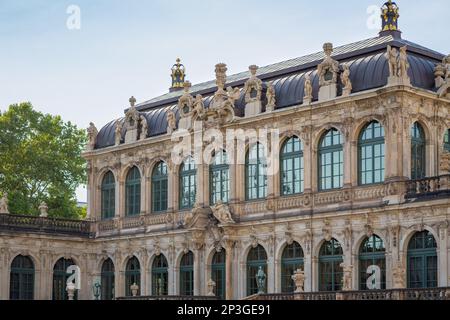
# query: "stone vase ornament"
{"points": [[299, 280], [134, 289], [211, 288]]}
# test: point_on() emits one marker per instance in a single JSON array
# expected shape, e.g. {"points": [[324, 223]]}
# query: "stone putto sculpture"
{"points": [[222, 213], [43, 209], [4, 204], [199, 108], [171, 122], [346, 82], [328, 74], [92, 136], [398, 66], [118, 132], [307, 97], [144, 128], [271, 98]]}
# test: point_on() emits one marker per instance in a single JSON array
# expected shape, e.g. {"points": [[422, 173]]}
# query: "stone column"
{"points": [[174, 274], [117, 200], [198, 253], [144, 194], [277, 276], [271, 274]]}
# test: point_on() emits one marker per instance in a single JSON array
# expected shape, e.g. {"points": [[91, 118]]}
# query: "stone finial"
{"points": [[4, 204], [92, 136], [299, 279], [132, 101], [271, 98], [221, 75], [43, 209], [253, 69], [328, 49], [211, 288], [178, 75], [389, 17], [328, 72], [346, 82], [70, 288], [134, 289], [252, 93], [187, 86]]}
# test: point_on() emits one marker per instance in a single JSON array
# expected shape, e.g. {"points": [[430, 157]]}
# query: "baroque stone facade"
{"points": [[394, 209]]}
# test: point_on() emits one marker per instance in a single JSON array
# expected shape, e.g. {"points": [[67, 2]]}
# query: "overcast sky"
{"points": [[125, 48]]}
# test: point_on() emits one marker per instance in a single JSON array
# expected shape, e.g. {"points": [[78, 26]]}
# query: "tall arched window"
{"points": [[133, 192], [372, 253], [187, 274], [422, 261], [188, 183], [218, 272], [160, 276], [60, 277], [21, 279], [108, 196], [256, 173], [291, 260], [292, 167], [331, 161], [257, 258], [371, 154], [330, 271], [417, 152], [107, 280], [132, 275], [219, 176], [159, 187], [447, 140]]}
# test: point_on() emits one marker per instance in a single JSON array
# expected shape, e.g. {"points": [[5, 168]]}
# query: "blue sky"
{"points": [[127, 47]]}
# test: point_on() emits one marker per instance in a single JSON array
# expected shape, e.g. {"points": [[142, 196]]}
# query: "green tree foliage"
{"points": [[40, 160]]}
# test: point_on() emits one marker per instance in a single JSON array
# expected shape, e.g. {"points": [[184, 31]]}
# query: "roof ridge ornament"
{"points": [[178, 75], [389, 19]]}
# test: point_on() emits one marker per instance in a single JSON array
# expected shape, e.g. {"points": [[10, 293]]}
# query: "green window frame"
{"points": [[107, 280], [160, 276], [159, 187], [219, 176], [22, 279], [371, 154], [330, 271], [133, 192], [418, 150], [218, 273], [187, 274], [447, 140], [60, 277], [108, 196], [292, 167], [422, 261], [372, 252], [291, 260], [188, 183], [331, 161], [255, 173], [132, 275], [257, 257]]}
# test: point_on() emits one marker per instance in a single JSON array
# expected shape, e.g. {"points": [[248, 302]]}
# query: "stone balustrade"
{"points": [[426, 187]]}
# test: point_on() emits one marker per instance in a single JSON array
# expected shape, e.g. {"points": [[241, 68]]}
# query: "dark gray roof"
{"points": [[368, 67]]}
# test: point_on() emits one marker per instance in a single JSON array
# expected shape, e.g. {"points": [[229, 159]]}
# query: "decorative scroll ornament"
{"points": [[253, 86], [329, 68], [185, 102], [221, 109], [92, 136]]}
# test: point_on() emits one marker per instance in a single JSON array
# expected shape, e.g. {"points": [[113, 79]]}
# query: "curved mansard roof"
{"points": [[368, 66]]}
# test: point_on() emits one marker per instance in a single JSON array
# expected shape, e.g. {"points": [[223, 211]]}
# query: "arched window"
{"points": [[422, 261], [257, 258], [132, 276], [292, 167], [256, 173], [160, 276], [447, 140], [21, 279], [133, 192], [60, 277], [417, 152], [219, 176], [188, 183], [159, 187], [218, 272], [291, 260], [108, 196], [187, 274], [372, 253], [107, 280], [371, 154], [330, 271], [331, 161]]}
